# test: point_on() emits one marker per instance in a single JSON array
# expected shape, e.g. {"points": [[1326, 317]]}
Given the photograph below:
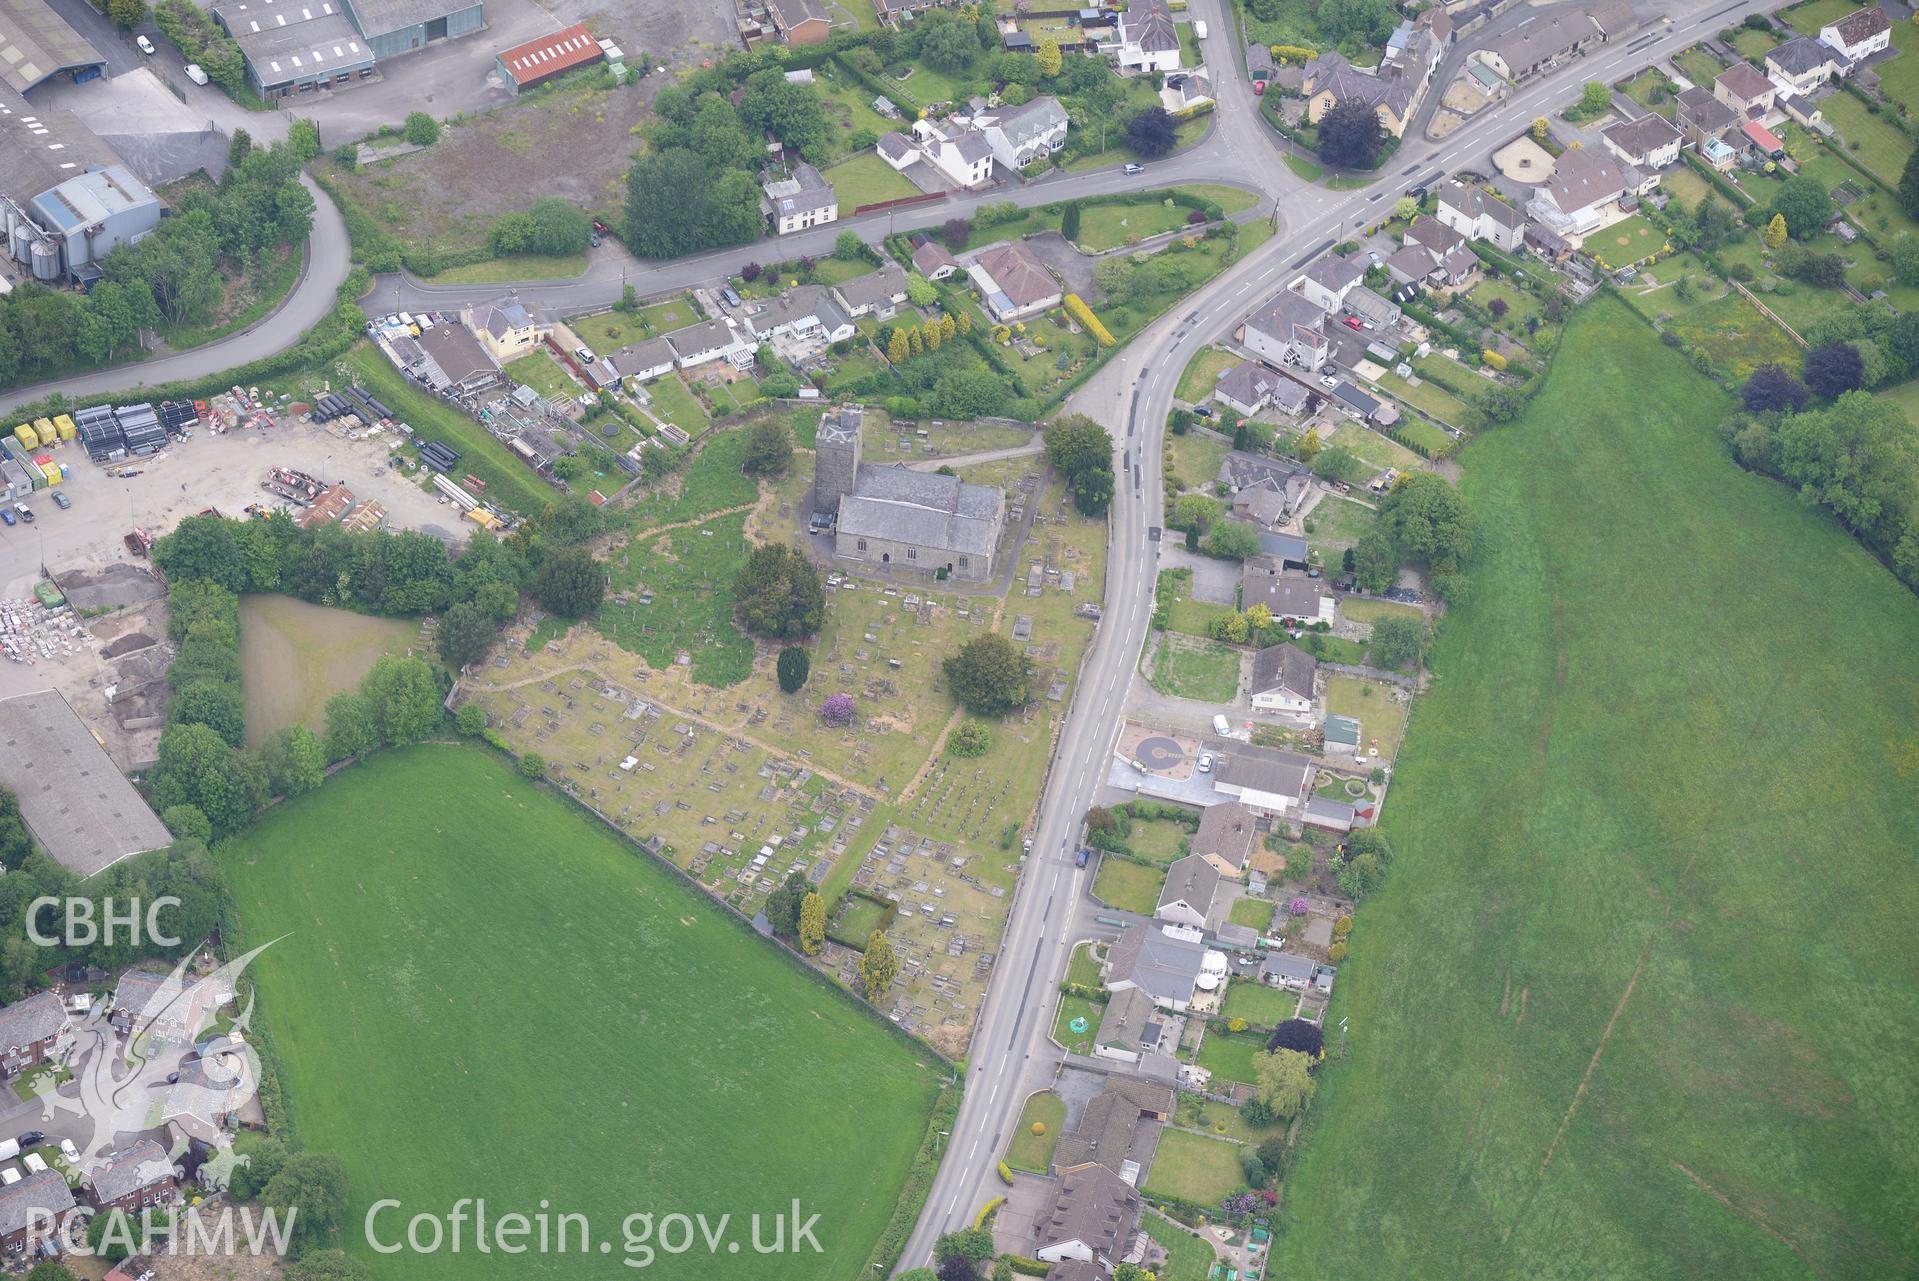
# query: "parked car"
{"points": [[26, 512], [146, 45], [1133, 166], [1205, 762], [61, 501], [1221, 725], [1079, 859], [31, 1139], [1353, 322], [1202, 411], [730, 296], [584, 355], [1259, 88], [68, 1151], [599, 226], [196, 75], [7, 516], [1328, 381]]}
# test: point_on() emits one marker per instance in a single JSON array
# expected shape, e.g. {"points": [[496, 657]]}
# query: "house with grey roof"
{"points": [[1746, 89], [33, 1210], [877, 293], [1148, 40], [897, 150], [1478, 216], [1701, 117], [134, 1178], [506, 327], [1018, 136], [961, 153], [933, 262], [804, 312], [1284, 680], [1247, 387], [709, 340], [1650, 142], [1014, 283], [1329, 815], [1267, 782], [645, 361], [1092, 1218], [1227, 836], [1288, 970], [1118, 1129], [1163, 963], [455, 363], [793, 202], [30, 1030], [1550, 37], [1128, 1027], [1805, 63], [1328, 279], [1859, 34], [1288, 330], [1294, 596], [1186, 896], [1262, 505], [1585, 186]]}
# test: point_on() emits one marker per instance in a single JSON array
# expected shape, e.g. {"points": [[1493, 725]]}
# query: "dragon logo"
{"points": [[155, 1062]]}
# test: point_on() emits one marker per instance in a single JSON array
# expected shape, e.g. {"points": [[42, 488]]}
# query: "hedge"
{"points": [[1027, 1267], [919, 1185], [1006, 1174], [1077, 308], [987, 1211]]}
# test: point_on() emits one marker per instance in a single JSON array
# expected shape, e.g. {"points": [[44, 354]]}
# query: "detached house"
{"points": [[1745, 89], [1269, 783], [1328, 280], [1477, 216], [1289, 330], [1093, 1218], [1187, 895], [1584, 186], [804, 312], [1148, 40], [1163, 963], [1228, 833], [1284, 680], [1014, 283], [1247, 387], [505, 328], [800, 21], [1805, 63], [710, 340], [933, 262], [877, 293], [1286, 596], [962, 153], [794, 203], [1020, 135], [1650, 142], [1119, 1128], [1859, 34]]}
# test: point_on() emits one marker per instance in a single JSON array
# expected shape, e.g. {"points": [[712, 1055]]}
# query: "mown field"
{"points": [[1638, 998], [483, 993]]}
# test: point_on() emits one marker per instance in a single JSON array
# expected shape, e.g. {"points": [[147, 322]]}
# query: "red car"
{"points": [[1352, 322], [1259, 88]]}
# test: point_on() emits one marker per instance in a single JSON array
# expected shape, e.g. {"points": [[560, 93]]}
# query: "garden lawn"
{"points": [[1187, 1257], [1699, 66], [1256, 913], [1082, 968], [1882, 145], [1204, 670], [675, 402], [1159, 839], [1128, 885], [1625, 242], [1034, 1152], [1103, 227], [1431, 399], [1077, 1007], [1425, 435], [516, 267], [1370, 609], [865, 179], [543, 374], [1197, 383], [426, 902], [1651, 90], [1196, 458], [1382, 718], [508, 481], [1336, 524], [1654, 875], [670, 314], [1303, 169], [1257, 1003], [1231, 1057], [1195, 1168]]}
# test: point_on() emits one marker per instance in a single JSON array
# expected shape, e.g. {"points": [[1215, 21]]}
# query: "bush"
{"points": [[533, 765], [1077, 308], [970, 739], [793, 667], [421, 129]]}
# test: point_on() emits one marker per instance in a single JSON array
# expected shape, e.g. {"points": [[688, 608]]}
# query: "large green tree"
{"points": [[988, 675], [1284, 1082], [779, 594], [570, 583], [1802, 201]]}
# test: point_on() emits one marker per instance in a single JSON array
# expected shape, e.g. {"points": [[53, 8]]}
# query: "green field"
{"points": [[1637, 997], [675, 403], [1072, 1009], [480, 991], [1876, 142], [1336, 524], [294, 656], [1204, 670], [1195, 1168]]}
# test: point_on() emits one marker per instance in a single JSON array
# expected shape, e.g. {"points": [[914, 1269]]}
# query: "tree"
{"points": [[1093, 491], [51, 1270], [1151, 132], [779, 594], [838, 711], [1397, 642], [1195, 511], [403, 698], [466, 633], [422, 130], [988, 675], [899, 347], [954, 231], [1350, 135], [1230, 627], [1802, 201], [570, 583], [1335, 461], [1283, 1082], [1594, 98], [920, 291], [769, 448], [1541, 127], [1366, 840], [126, 14], [1308, 446], [792, 668], [1406, 208], [975, 1245], [197, 767], [1076, 443], [1360, 876], [1427, 521], [878, 966], [294, 760], [1231, 540], [947, 44], [1834, 369], [1048, 57], [303, 137], [1909, 186], [1772, 387], [350, 728], [186, 822], [1300, 1035], [783, 904], [470, 720], [812, 924], [313, 1188], [848, 247], [216, 705], [969, 739], [1775, 233]]}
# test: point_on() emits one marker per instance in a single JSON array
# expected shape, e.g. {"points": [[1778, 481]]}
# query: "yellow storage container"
{"points": [[51, 471], [65, 425], [49, 434], [25, 434]]}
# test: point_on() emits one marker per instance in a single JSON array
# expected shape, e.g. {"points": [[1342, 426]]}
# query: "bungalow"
{"points": [[710, 340], [30, 1029], [933, 262], [1702, 117], [452, 361], [1286, 596], [877, 293], [1650, 142], [1478, 216], [897, 150], [1266, 782], [1187, 91], [1227, 836], [33, 1212], [1118, 1128], [505, 328], [1584, 186], [1284, 680], [1014, 283], [1092, 1217], [963, 154], [135, 1178], [1805, 63], [806, 312], [1328, 280], [1289, 330], [1128, 1023], [1148, 40], [800, 21], [1415, 264], [803, 199], [1745, 89], [1162, 962], [1358, 405], [1247, 387], [1331, 816], [1020, 135], [1287, 970], [645, 361], [1859, 34], [1187, 894]]}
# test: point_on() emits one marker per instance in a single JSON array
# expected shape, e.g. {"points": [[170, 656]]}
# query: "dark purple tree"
{"points": [[1298, 1034], [1834, 369], [954, 232], [1774, 387], [1498, 308], [837, 711], [751, 271], [1298, 907]]}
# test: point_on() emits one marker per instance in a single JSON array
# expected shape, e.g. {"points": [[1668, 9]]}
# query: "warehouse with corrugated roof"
{"points": [[36, 44]]}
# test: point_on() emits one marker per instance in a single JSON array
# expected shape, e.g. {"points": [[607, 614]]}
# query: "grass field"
{"points": [[1336, 524], [1257, 1003], [1126, 885], [1230, 1057], [1732, 332], [1881, 147], [1034, 1152], [1082, 968], [1196, 458], [1650, 874], [1698, 66], [1160, 839], [1195, 1168], [865, 179], [1205, 670], [1652, 89], [1196, 384], [453, 1014], [294, 656]]}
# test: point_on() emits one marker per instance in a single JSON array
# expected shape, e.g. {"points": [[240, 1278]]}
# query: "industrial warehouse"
{"points": [[73, 799], [296, 46]]}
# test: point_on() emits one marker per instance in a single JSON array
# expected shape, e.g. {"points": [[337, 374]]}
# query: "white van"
{"points": [[1222, 726], [9, 1149], [34, 1162], [9, 1177], [196, 75]]}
